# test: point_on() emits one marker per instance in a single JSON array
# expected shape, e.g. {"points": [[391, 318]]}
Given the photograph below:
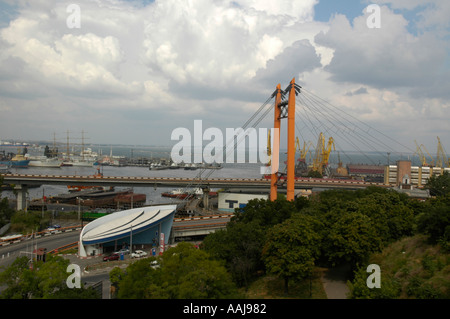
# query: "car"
{"points": [[111, 257], [124, 251], [138, 254]]}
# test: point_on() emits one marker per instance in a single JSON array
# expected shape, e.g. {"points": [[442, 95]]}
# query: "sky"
{"points": [[133, 71]]}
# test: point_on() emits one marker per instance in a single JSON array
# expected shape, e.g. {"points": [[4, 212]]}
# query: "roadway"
{"points": [[11, 251], [140, 181]]}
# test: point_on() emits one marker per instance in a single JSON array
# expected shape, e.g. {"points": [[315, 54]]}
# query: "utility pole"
{"points": [[131, 240]]}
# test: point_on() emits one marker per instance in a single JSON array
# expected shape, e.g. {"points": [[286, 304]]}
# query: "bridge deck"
{"points": [[130, 181]]}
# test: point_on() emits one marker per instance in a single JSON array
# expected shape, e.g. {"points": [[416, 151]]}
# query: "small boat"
{"points": [[211, 166], [5, 166], [174, 166], [192, 166], [82, 163], [66, 162], [157, 167]]}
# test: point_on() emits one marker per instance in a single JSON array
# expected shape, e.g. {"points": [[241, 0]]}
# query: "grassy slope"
{"points": [[420, 269]]}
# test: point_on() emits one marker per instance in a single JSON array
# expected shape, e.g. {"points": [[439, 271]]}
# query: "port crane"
{"points": [[269, 149], [322, 154], [423, 159], [303, 151], [441, 157], [302, 167]]}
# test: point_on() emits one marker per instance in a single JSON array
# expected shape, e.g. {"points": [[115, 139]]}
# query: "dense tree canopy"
{"points": [[182, 272], [439, 185], [348, 227], [5, 211], [435, 221], [283, 238], [292, 247], [40, 280]]}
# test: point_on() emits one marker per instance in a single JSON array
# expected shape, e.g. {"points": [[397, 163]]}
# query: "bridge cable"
{"points": [[335, 118], [199, 177], [361, 122]]}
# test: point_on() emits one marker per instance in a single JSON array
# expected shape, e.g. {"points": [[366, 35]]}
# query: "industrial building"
{"points": [[228, 202], [370, 173], [404, 173]]}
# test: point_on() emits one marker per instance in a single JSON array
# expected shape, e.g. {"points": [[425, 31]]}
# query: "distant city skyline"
{"points": [[130, 72]]}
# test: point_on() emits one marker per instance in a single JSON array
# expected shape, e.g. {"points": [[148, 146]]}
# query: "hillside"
{"points": [[410, 269]]}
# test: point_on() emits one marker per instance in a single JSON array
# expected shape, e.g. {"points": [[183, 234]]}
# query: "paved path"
{"points": [[335, 282]]}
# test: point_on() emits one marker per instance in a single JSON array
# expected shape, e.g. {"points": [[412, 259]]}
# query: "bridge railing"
{"points": [[63, 248], [200, 226]]}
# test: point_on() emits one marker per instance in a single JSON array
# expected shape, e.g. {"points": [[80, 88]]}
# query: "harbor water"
{"points": [[228, 170], [153, 194]]}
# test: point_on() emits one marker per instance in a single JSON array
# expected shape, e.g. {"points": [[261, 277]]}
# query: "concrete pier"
{"points": [[21, 196]]}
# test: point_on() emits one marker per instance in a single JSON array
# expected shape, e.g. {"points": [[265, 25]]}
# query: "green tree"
{"points": [[184, 272], [390, 287], [292, 248], [239, 246], [26, 222], [439, 185], [352, 239], [5, 211], [435, 222], [265, 213], [39, 280], [390, 213], [314, 174], [139, 281], [184, 261]]}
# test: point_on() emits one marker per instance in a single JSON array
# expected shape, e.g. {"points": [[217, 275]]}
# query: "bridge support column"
{"points": [[285, 109], [290, 195], [276, 145], [21, 197]]}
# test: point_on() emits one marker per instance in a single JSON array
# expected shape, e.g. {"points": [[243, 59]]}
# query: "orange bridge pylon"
{"points": [[285, 109]]}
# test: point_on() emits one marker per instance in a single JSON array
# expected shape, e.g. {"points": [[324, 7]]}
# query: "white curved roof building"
{"points": [[137, 226]]}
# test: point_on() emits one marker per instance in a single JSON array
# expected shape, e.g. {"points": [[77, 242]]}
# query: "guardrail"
{"points": [[77, 179], [63, 248], [225, 215], [200, 226]]}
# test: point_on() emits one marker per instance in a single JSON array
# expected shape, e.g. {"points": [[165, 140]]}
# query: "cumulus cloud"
{"points": [[163, 54], [173, 61], [387, 57]]}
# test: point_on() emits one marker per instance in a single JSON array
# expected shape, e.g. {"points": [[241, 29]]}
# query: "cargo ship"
{"points": [[18, 161], [43, 161]]}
